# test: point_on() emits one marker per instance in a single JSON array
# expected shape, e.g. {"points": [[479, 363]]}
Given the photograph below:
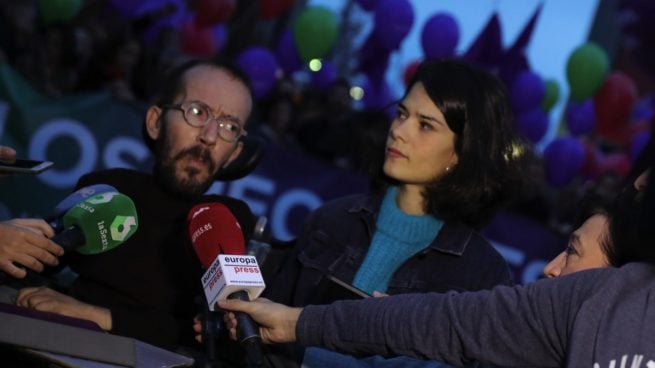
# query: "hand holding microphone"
{"points": [[95, 225], [213, 230], [26, 243]]}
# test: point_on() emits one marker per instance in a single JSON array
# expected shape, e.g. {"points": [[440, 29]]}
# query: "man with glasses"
{"points": [[146, 287]]}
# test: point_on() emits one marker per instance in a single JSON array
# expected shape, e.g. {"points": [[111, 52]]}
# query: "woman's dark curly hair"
{"points": [[490, 154]]}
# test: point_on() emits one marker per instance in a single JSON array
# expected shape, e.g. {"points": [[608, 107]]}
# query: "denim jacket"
{"points": [[337, 236]]}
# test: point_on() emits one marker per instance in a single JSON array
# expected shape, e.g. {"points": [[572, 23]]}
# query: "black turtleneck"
{"points": [[149, 282]]}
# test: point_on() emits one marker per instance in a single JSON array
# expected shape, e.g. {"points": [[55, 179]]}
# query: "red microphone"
{"points": [[214, 230], [215, 235]]}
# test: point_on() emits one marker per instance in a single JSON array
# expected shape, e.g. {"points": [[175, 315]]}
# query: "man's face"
{"points": [[188, 157]]}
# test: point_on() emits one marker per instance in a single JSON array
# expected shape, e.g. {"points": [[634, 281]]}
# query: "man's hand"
{"points": [[48, 300], [277, 322], [25, 242]]}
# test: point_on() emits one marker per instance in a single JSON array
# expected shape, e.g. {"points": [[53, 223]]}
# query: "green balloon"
{"points": [[58, 11], [551, 96], [315, 32], [586, 70]]}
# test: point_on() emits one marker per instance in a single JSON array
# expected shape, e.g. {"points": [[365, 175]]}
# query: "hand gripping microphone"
{"points": [[98, 224], [95, 225], [214, 230], [56, 221]]}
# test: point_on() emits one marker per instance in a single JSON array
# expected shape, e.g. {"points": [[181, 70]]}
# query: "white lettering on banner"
{"points": [[64, 128], [287, 201], [119, 148], [253, 183], [516, 257]]}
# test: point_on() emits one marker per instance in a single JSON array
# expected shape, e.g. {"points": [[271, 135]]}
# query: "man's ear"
{"points": [[234, 154], [153, 121]]}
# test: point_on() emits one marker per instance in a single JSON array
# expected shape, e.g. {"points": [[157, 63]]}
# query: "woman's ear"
{"points": [[153, 121]]}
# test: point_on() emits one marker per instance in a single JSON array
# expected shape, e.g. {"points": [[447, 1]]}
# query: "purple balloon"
{"points": [[527, 91], [580, 117], [260, 66], [220, 36], [325, 77], [172, 20], [564, 158], [637, 144], [393, 21], [377, 95], [125, 8], [532, 124], [287, 53], [440, 36], [367, 5]]}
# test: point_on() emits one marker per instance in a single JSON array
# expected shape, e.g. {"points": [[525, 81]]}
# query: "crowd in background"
{"points": [[99, 49]]}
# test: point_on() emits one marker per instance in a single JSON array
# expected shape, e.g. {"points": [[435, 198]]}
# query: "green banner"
{"points": [[79, 133]]}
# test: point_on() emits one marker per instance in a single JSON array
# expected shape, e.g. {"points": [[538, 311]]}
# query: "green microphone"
{"points": [[98, 224]]}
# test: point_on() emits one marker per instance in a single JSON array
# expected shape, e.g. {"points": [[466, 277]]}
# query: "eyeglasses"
{"points": [[198, 114]]}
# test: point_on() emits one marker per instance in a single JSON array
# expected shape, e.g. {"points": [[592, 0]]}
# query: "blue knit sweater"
{"points": [[398, 236]]}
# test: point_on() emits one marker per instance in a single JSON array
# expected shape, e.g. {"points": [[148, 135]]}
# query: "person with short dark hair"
{"points": [[449, 160], [146, 287], [602, 239]]}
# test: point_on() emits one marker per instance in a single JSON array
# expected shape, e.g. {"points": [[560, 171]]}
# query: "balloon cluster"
{"points": [[597, 116]]}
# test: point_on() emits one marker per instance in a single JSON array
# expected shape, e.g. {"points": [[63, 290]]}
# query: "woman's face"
{"points": [[420, 145], [584, 250]]}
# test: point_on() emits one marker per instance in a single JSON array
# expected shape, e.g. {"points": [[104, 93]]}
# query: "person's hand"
{"points": [[25, 242], [379, 294], [7, 154], [47, 300], [277, 322]]}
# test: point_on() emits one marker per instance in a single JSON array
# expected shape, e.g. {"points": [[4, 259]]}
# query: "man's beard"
{"points": [[188, 186]]}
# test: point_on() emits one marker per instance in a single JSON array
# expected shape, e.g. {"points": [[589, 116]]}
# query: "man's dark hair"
{"points": [[175, 83], [490, 154], [631, 230]]}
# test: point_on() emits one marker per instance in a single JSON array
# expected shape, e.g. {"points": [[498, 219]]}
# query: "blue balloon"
{"points": [[393, 21], [637, 144], [564, 158], [527, 91], [532, 124], [368, 4], [287, 53], [260, 66], [580, 117], [440, 36], [220, 36]]}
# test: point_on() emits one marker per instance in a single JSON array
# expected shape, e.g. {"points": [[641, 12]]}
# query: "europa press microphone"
{"points": [[94, 225], [213, 230], [56, 220]]}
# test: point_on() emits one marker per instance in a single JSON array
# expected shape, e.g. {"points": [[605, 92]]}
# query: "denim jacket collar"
{"points": [[452, 239]]}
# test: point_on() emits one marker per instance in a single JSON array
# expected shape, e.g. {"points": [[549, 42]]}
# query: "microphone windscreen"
{"points": [[213, 230], [80, 195], [107, 220]]}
